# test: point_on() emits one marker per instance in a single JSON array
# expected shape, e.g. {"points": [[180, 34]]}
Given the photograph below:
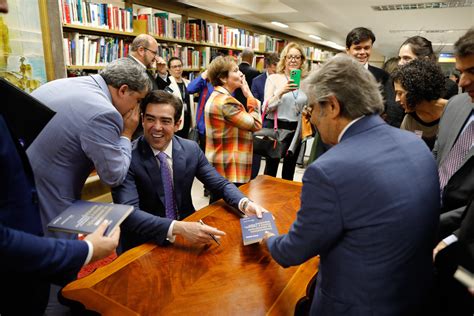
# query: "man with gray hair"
{"points": [[368, 205], [249, 72], [95, 118]]}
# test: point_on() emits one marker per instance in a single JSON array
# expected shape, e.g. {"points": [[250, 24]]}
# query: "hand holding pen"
{"points": [[196, 232], [212, 236]]}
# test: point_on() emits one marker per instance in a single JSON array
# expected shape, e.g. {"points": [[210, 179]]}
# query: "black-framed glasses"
{"points": [[153, 51]]}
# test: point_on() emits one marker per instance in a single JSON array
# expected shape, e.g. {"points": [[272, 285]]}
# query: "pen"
{"points": [[212, 236]]}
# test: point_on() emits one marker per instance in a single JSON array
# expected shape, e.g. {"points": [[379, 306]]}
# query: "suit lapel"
{"points": [[456, 123], [151, 167], [179, 167]]}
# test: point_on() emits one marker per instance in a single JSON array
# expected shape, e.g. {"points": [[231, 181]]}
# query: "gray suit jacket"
{"points": [[83, 135], [457, 111]]}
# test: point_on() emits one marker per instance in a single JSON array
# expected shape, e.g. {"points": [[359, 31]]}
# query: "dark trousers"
{"points": [[289, 161]]}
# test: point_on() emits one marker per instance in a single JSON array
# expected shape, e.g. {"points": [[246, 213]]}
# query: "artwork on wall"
{"points": [[22, 60]]}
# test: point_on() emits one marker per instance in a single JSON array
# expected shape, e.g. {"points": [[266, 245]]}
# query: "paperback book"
{"points": [[253, 228]]}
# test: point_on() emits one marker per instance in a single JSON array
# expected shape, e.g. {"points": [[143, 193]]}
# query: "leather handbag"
{"points": [[272, 142]]}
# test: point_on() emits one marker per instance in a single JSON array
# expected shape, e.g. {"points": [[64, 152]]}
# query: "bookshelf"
{"points": [[95, 32]]}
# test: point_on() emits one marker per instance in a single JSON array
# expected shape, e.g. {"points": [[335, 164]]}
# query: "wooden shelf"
{"points": [[91, 67], [103, 31]]}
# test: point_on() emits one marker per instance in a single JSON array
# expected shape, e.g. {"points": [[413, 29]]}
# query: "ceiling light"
{"points": [[279, 24], [315, 37], [335, 45]]}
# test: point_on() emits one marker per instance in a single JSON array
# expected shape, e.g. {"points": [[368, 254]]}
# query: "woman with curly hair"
{"points": [[419, 86]]}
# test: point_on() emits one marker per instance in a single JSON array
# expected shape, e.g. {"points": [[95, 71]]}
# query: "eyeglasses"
{"points": [[153, 51], [295, 57], [176, 66]]}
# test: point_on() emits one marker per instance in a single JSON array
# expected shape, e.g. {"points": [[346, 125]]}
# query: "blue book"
{"points": [[83, 217], [253, 228]]}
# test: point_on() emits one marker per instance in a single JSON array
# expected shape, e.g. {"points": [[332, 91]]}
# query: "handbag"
{"points": [[272, 142], [194, 132]]}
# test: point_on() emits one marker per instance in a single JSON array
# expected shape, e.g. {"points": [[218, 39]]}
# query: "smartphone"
{"points": [[295, 75]]}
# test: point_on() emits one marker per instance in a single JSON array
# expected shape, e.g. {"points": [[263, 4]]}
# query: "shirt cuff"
{"points": [[169, 236], [125, 138], [450, 239], [89, 254], [243, 204]]}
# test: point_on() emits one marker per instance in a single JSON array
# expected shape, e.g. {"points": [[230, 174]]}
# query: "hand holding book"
{"points": [[102, 245]]}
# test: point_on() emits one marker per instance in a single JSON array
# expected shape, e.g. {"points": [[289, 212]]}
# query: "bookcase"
{"points": [[95, 32]]}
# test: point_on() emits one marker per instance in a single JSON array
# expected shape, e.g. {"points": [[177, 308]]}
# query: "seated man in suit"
{"points": [[368, 205], [167, 192]]}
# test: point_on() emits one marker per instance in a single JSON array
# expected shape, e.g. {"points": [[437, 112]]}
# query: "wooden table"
{"points": [[185, 279]]}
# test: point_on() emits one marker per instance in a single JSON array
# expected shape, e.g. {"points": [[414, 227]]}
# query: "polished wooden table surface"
{"points": [[185, 279]]}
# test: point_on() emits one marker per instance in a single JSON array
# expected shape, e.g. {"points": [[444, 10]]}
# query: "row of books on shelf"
{"points": [[100, 15], [80, 50], [92, 50], [313, 53], [164, 24]]}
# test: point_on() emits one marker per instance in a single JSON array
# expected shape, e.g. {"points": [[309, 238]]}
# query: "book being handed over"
{"points": [[254, 228], [83, 217]]}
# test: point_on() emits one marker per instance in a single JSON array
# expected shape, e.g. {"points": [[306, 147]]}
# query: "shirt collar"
{"points": [[138, 61], [168, 151], [347, 127], [366, 65]]}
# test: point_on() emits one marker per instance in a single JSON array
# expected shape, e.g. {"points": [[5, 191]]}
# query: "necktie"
{"points": [[457, 154], [167, 180]]}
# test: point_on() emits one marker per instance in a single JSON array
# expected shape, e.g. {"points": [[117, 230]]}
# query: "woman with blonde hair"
{"points": [[229, 126], [284, 102]]}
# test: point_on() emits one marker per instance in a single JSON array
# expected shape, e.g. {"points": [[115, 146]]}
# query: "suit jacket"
{"points": [[84, 134], [250, 73], [143, 187], [258, 86], [456, 112], [162, 84], [388, 94], [371, 218], [28, 262], [154, 85]]}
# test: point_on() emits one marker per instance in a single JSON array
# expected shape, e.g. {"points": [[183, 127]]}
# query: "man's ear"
{"points": [[334, 107], [176, 125], [122, 90]]}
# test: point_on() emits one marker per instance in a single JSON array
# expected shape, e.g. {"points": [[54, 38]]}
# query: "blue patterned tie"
{"points": [[167, 180]]}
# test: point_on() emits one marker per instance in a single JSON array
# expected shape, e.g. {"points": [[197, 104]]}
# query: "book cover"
{"points": [[254, 228], [83, 217]]}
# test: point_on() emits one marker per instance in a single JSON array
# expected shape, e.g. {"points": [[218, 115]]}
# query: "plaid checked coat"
{"points": [[229, 140]]}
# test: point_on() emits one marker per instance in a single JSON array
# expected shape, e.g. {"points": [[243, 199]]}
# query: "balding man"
{"points": [[143, 50]]}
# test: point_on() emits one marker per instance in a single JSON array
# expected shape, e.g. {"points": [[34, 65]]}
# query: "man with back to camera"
{"points": [[145, 186], [249, 72], [368, 205], [359, 43], [29, 262]]}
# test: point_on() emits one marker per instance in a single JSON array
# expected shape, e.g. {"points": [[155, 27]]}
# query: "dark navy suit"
{"points": [[258, 86], [143, 188], [28, 262], [369, 208]]}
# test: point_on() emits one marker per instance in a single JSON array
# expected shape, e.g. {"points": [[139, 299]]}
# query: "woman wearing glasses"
{"points": [[285, 101], [179, 85]]}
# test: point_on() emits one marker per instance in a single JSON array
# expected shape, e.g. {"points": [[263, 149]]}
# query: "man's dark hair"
{"points": [[464, 46], [421, 47], [174, 58], [271, 59], [358, 35], [422, 79], [163, 97]]}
